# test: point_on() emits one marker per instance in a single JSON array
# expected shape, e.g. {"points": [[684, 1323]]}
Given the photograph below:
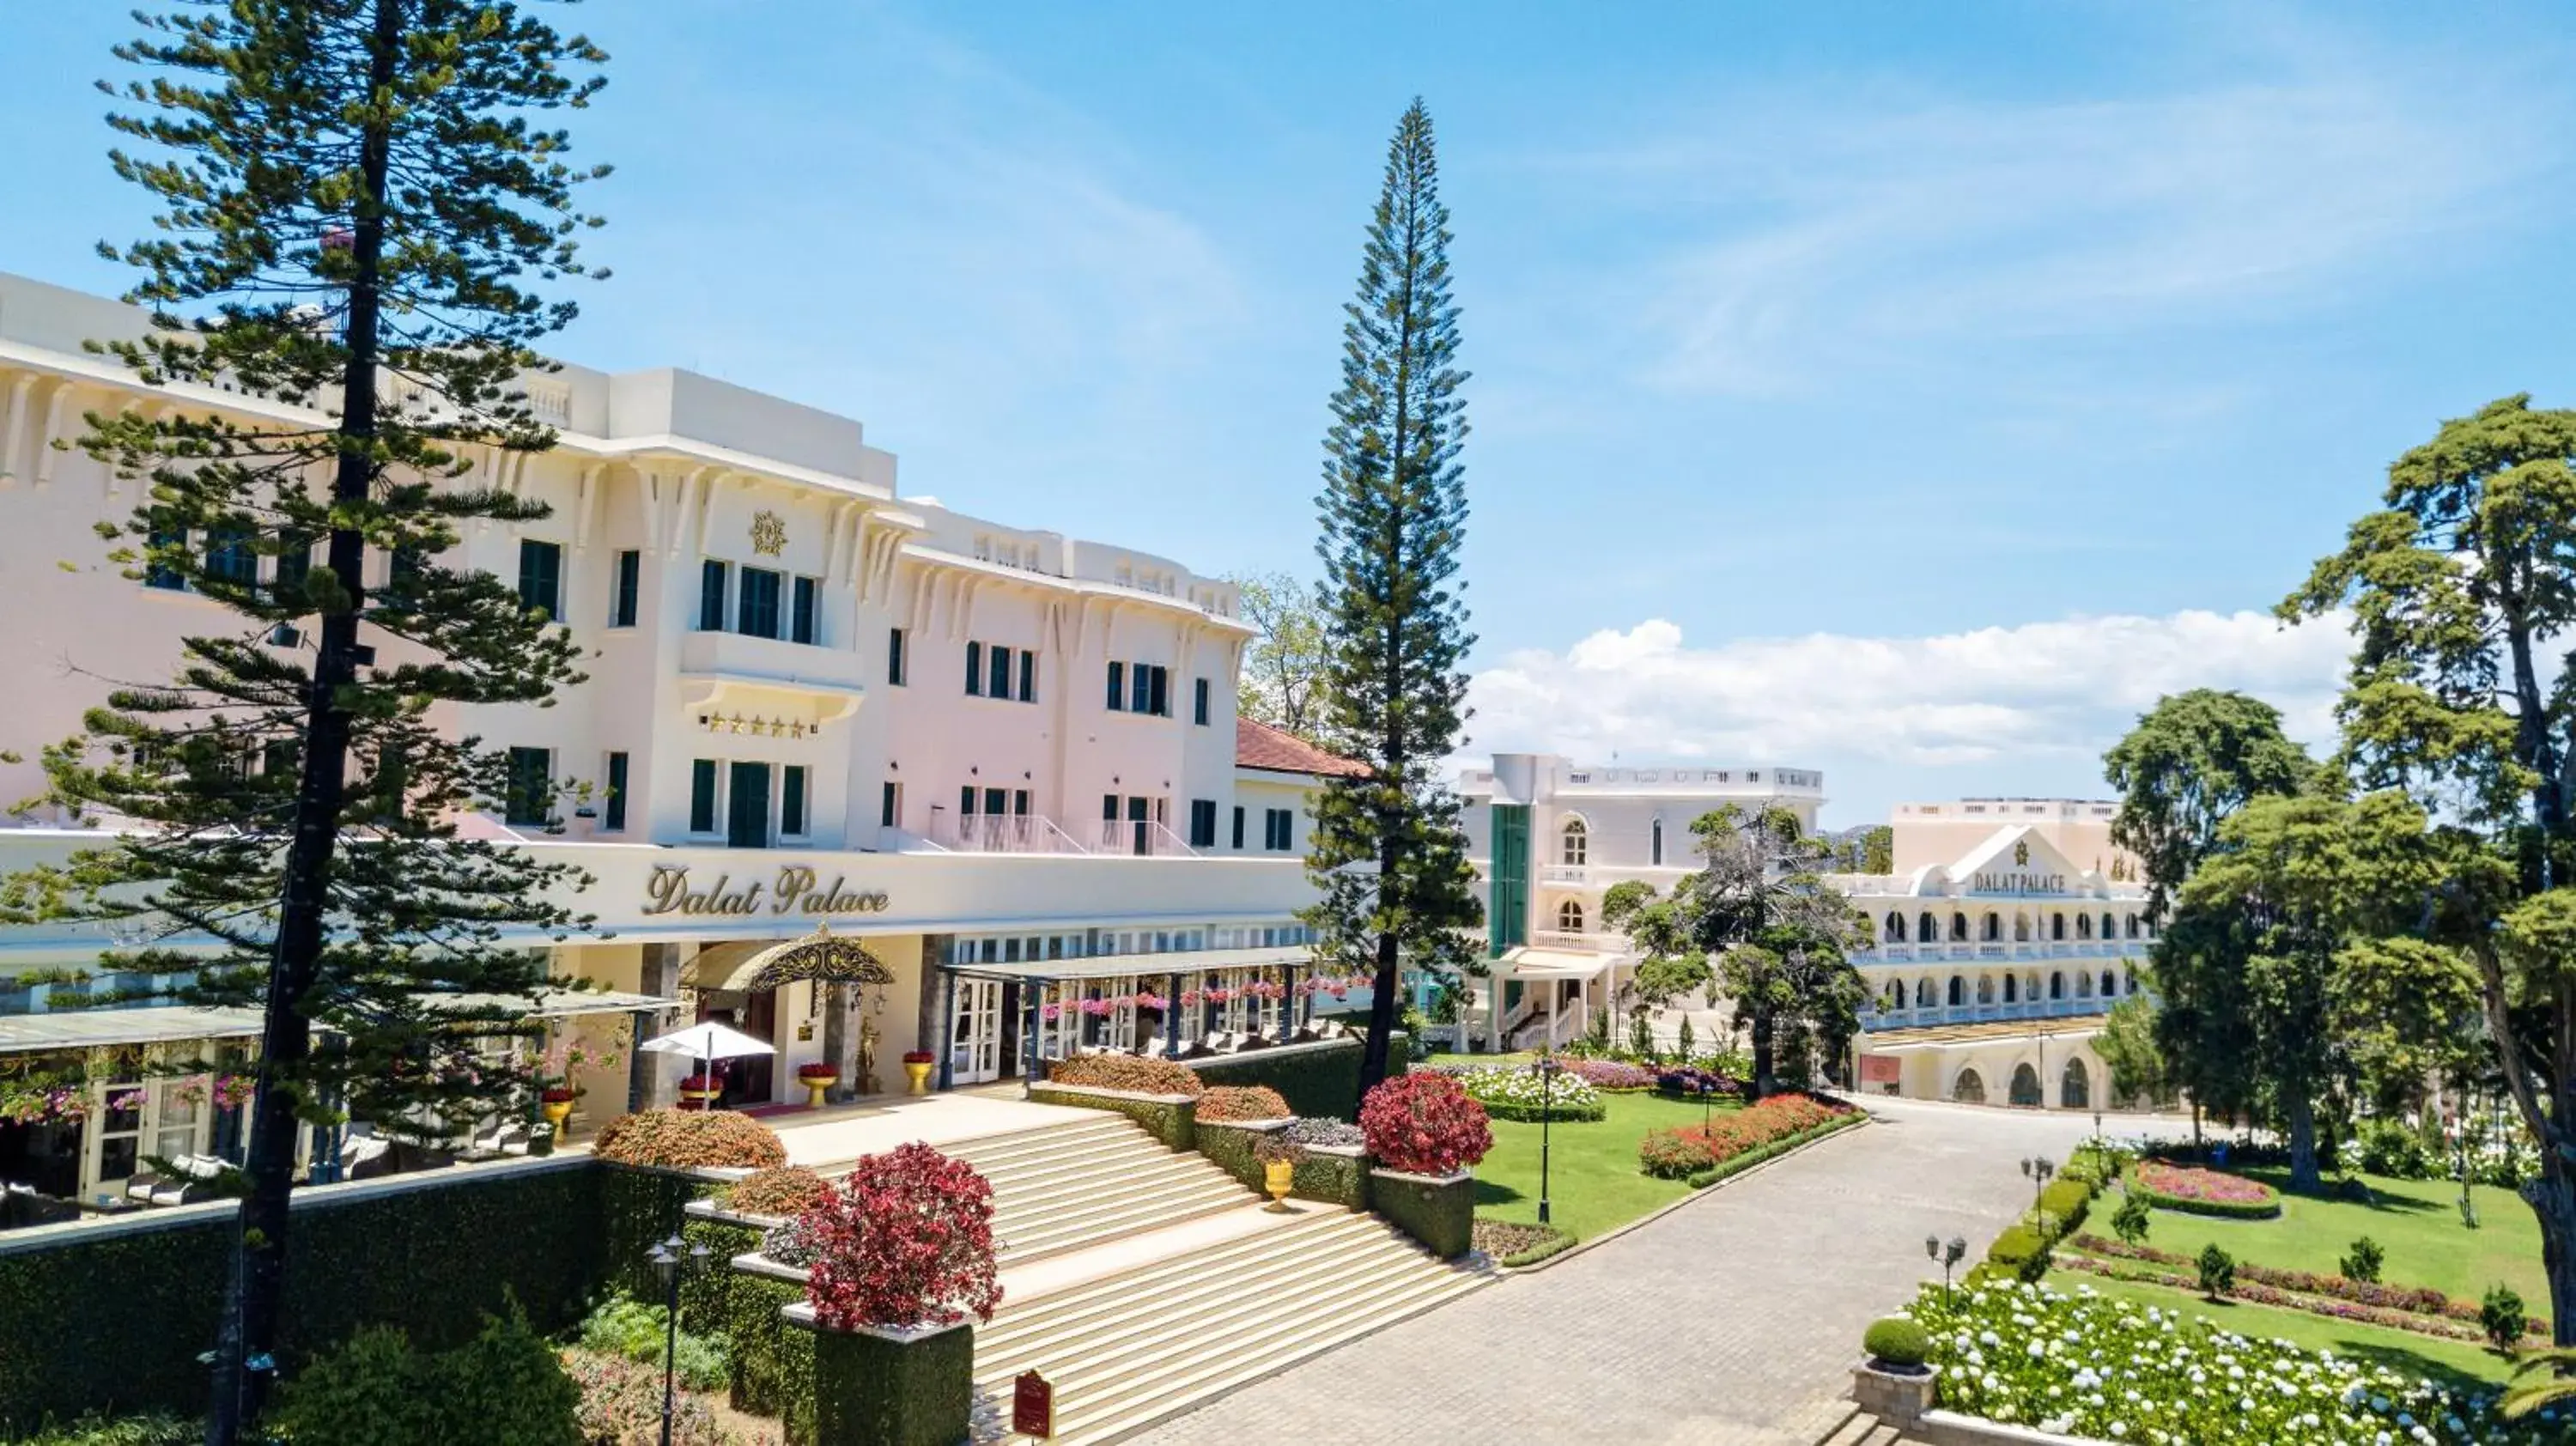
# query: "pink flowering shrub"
{"points": [[2203, 1192], [907, 1240], [1424, 1124]]}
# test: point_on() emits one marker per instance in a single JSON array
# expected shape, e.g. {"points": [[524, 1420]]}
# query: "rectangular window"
{"points": [[1159, 700], [994, 798], [791, 801], [541, 577], [1109, 808], [1028, 675], [758, 611], [1117, 687], [168, 580], [711, 598], [702, 795], [974, 670], [1238, 826], [531, 786], [747, 806], [294, 565], [626, 595], [1001, 677], [804, 620], [1019, 803], [1140, 688], [1199, 701], [966, 801], [229, 558], [890, 811], [1202, 823], [894, 657], [614, 816], [1279, 830]]}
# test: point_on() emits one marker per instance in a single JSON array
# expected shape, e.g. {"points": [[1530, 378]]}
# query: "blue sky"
{"points": [[1908, 391]]}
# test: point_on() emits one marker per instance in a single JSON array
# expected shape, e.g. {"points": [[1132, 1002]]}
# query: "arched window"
{"points": [[2083, 926], [2021, 927], [1655, 848], [1569, 916], [2146, 928], [1985, 989], [2110, 984], [1958, 927], [1895, 994], [2057, 926], [2108, 930], [1923, 992], [2083, 984], [2075, 1087], [2057, 984], [1968, 1089], [1993, 929], [2133, 981], [2025, 1087], [1577, 842], [2030, 986], [2133, 926], [1958, 991], [1895, 926], [2012, 989]]}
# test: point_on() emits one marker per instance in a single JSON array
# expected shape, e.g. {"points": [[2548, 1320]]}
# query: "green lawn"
{"points": [[2416, 1221], [1593, 1181], [2456, 1363]]}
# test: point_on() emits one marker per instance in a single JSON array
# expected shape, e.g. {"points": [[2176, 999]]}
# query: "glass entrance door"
{"points": [[975, 1048]]}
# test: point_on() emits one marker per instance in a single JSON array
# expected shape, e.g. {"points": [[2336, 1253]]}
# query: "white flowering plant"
{"points": [[2111, 1370], [1511, 1092]]}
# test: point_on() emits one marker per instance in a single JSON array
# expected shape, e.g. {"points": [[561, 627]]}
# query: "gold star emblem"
{"points": [[768, 533]]}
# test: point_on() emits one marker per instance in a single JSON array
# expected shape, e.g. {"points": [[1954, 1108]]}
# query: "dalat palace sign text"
{"points": [[794, 891]]}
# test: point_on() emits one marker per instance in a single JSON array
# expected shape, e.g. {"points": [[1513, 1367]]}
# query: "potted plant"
{"points": [[700, 1091], [1279, 1157], [916, 1067], [816, 1078], [556, 1100]]}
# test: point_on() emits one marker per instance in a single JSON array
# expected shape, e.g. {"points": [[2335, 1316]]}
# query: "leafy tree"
{"points": [[2127, 1045], [1283, 675], [355, 201], [2460, 591], [2194, 759], [1394, 508], [1759, 908], [2132, 1220]]}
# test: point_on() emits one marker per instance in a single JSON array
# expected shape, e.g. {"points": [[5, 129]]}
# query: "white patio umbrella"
{"points": [[708, 1042]]}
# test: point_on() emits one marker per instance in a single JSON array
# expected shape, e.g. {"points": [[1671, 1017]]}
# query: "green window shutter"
{"points": [[1507, 922], [791, 801], [541, 577], [974, 670], [702, 795], [616, 809]]}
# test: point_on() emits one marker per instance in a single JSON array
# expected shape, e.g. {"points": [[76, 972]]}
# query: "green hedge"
{"points": [[1333, 1179], [1168, 1120], [884, 1393], [1557, 1243], [1440, 1214], [1563, 1112], [1321, 1081], [1738, 1164], [773, 1363], [112, 1316], [640, 1206], [2265, 1209]]}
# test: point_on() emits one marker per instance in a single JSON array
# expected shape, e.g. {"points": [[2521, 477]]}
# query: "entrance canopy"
{"points": [[1541, 964], [102, 1028], [1120, 966], [823, 956]]}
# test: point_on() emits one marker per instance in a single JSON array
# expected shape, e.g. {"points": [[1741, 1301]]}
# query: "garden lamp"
{"points": [[1951, 1254], [2038, 1168], [673, 1261], [1547, 1068]]}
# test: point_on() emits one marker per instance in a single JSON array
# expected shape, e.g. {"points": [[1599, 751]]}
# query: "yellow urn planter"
{"points": [[918, 1072], [815, 1085], [1278, 1177], [702, 1099], [558, 1114]]}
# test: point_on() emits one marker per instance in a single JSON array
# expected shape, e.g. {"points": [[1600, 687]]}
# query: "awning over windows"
{"points": [[1142, 966], [103, 1028], [1529, 963]]}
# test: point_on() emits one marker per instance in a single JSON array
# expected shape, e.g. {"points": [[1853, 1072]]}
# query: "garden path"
{"points": [[1734, 1319]]}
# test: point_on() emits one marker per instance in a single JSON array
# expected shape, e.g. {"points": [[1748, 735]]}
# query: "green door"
{"points": [[1507, 921]]}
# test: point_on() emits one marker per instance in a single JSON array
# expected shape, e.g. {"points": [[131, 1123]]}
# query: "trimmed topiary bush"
{"points": [[1424, 1124], [2217, 1271], [1128, 1072], [2500, 1316], [1234, 1103], [906, 1241], [1897, 1343], [690, 1139], [781, 1193], [2365, 1260]]}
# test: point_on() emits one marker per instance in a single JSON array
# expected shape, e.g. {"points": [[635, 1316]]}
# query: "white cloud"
{"points": [[2039, 698]]}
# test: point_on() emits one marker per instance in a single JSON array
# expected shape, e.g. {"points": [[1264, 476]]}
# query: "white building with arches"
{"points": [[1990, 974]]}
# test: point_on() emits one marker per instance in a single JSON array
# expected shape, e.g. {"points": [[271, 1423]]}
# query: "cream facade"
{"points": [[812, 703]]}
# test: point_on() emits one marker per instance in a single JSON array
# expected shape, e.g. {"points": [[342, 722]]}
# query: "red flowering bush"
{"points": [[1242, 1102], [682, 1139], [1675, 1154], [1424, 1124], [916, 1056], [907, 1240]]}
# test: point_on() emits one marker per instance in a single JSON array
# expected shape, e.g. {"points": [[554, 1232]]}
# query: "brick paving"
{"points": [[1734, 1319]]}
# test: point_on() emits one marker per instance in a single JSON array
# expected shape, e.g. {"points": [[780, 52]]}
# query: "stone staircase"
{"points": [[1071, 1187], [1142, 1282], [1859, 1428]]}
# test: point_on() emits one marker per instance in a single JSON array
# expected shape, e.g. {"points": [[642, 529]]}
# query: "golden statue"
{"points": [[867, 1083]]}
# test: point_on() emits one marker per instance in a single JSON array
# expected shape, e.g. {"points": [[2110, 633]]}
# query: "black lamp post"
{"points": [[673, 1260], [1707, 1101], [2038, 1168], [1547, 1068], [1949, 1255]]}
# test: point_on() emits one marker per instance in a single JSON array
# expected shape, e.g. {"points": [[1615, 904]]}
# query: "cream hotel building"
{"points": [[1994, 948], [1003, 762]]}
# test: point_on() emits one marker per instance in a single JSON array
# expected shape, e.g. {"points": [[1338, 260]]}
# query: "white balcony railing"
{"points": [[996, 833], [1563, 874], [1142, 837], [1584, 942]]}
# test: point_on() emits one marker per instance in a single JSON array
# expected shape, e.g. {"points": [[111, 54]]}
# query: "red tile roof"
{"points": [[1258, 745]]}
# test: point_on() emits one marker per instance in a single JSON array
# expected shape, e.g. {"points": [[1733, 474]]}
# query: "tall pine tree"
{"points": [[1394, 509], [355, 204]]}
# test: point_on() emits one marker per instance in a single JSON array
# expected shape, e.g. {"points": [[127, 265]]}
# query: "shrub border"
{"points": [[1171, 1119], [2268, 1209]]}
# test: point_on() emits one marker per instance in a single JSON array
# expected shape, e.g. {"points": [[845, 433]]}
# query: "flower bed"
{"points": [[1521, 1092], [2195, 1191], [2109, 1370], [1693, 1149], [905, 1241], [2396, 1318], [1508, 1243], [1616, 1076], [1690, 1081], [2388, 1300], [1223, 1103]]}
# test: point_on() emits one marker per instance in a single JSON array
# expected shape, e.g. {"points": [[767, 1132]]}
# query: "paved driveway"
{"points": [[1734, 1319]]}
